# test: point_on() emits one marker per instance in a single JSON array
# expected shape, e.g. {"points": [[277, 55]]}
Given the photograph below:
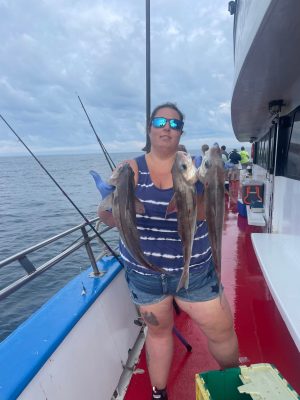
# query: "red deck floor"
{"points": [[262, 334]]}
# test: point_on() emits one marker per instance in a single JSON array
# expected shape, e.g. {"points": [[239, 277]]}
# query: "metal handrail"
{"points": [[32, 272], [19, 255]]}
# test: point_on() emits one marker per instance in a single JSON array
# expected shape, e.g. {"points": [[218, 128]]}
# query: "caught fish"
{"points": [[184, 201], [124, 205], [211, 173]]}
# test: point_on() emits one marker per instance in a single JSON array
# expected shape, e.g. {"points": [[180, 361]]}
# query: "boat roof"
{"points": [[266, 64]]}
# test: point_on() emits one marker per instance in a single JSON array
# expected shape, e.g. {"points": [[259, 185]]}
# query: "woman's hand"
{"points": [[106, 217]]}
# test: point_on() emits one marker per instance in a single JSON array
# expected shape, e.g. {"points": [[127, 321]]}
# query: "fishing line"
{"points": [[106, 154], [61, 189]]}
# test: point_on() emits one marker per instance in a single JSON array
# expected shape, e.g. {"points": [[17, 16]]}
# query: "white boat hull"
{"points": [[76, 345]]}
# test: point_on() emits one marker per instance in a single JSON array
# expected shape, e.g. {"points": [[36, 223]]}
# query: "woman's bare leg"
{"points": [[215, 320], [159, 340]]}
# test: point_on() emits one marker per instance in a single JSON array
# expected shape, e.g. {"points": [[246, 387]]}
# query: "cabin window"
{"points": [[292, 168], [271, 160], [285, 128], [266, 152], [263, 149]]}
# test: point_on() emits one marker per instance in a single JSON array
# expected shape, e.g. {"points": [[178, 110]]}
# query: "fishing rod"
{"points": [[61, 189], [106, 154]]}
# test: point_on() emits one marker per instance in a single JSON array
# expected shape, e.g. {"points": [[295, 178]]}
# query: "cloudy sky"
{"points": [[52, 50]]}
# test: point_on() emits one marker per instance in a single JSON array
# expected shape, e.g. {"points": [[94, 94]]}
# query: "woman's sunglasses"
{"points": [[160, 122]]}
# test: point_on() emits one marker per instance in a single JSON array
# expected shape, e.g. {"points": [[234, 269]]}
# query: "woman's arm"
{"points": [[200, 207]]}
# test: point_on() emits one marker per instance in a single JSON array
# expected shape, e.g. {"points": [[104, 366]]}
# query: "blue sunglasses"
{"points": [[160, 122]]}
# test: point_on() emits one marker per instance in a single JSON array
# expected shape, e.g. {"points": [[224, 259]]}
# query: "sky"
{"points": [[54, 50]]}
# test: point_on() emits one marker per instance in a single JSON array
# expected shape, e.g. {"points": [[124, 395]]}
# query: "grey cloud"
{"points": [[54, 50]]}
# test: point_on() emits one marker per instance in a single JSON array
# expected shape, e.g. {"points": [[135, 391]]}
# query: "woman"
{"points": [[154, 292]]}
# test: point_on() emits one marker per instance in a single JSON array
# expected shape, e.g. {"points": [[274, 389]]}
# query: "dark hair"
{"points": [[173, 106], [181, 147], [242, 148], [223, 147], [204, 148]]}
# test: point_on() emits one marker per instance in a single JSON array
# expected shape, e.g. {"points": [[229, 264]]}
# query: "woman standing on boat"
{"points": [[154, 292]]}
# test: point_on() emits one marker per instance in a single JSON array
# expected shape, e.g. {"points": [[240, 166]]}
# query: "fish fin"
{"points": [[139, 206], [184, 281], [104, 188], [172, 206], [106, 204]]}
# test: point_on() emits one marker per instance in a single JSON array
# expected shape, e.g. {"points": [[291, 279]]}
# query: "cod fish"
{"points": [[184, 201], [124, 205], [211, 173]]}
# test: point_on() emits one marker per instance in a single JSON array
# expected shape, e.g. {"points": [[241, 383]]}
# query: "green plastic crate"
{"points": [[220, 385]]}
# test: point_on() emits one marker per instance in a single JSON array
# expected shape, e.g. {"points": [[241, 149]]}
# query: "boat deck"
{"points": [[262, 333]]}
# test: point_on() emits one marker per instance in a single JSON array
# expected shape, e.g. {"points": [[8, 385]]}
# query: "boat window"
{"points": [[271, 160], [263, 149], [285, 128], [266, 152], [292, 169]]}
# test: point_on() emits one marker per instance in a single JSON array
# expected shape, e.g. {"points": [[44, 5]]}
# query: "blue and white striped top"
{"points": [[159, 239]]}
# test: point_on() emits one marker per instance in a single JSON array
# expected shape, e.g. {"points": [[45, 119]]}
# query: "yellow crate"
{"points": [[259, 381], [264, 381], [201, 392]]}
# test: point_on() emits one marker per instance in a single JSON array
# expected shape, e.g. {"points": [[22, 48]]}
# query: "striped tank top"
{"points": [[159, 239]]}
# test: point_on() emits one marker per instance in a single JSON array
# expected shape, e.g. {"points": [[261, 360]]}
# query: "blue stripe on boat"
{"points": [[25, 351]]}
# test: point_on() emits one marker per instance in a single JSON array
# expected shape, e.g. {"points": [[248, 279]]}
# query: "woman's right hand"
{"points": [[106, 217]]}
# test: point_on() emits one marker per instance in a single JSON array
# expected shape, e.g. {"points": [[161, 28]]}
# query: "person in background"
{"points": [[204, 148], [224, 153], [154, 292], [234, 159], [181, 147], [245, 158], [224, 158]]}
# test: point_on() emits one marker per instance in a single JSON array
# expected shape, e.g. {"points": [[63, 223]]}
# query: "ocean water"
{"points": [[33, 209]]}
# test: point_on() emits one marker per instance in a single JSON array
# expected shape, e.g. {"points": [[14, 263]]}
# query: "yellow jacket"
{"points": [[244, 156]]}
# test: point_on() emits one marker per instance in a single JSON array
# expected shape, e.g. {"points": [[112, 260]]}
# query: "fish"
{"points": [[211, 174], [124, 206], [184, 201]]}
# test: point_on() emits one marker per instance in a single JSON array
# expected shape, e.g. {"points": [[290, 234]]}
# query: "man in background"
{"points": [[244, 157]]}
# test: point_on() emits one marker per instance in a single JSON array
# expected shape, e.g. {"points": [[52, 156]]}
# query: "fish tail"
{"points": [[184, 280]]}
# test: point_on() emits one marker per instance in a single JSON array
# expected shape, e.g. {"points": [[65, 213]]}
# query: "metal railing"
{"points": [[32, 271]]}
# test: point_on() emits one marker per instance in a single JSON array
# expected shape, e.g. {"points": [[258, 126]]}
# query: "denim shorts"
{"points": [[153, 288]]}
